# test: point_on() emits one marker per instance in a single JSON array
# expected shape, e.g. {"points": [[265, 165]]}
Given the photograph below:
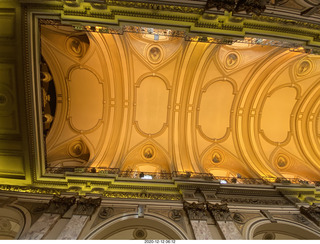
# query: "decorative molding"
{"points": [[255, 201], [175, 214], [143, 195]]}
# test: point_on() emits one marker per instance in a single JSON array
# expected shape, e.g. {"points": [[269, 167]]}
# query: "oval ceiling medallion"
{"points": [[303, 68], [282, 161], [232, 60], [148, 152], [154, 54], [217, 157], [75, 46], [76, 149]]}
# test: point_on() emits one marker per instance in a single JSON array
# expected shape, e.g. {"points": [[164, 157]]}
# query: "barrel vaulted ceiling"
{"points": [[160, 104]]}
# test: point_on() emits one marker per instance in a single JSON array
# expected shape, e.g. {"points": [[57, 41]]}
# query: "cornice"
{"points": [[195, 20]]}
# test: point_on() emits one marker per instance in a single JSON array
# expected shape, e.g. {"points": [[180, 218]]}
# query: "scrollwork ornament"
{"points": [[175, 214], [106, 212]]}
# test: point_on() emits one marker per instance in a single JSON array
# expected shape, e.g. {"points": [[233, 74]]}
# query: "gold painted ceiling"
{"points": [[159, 103]]}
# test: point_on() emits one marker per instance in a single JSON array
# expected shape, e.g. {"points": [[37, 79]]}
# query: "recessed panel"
{"points": [[86, 100], [215, 106], [275, 120], [151, 106]]}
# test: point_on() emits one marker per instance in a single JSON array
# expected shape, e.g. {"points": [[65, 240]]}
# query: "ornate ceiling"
{"points": [[159, 103], [158, 86]]}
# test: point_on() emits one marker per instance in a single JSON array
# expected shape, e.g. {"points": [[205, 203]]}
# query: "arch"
{"points": [[12, 223], [149, 223], [283, 229]]}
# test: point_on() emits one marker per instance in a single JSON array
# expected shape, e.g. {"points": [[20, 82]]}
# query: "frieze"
{"points": [[163, 7], [234, 191], [142, 187], [259, 201], [294, 23], [143, 195], [27, 189]]}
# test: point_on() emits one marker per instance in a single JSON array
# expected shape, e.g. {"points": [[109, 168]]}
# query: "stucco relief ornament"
{"points": [[148, 152], [106, 212], [175, 214], [75, 47], [232, 60], [154, 54], [76, 149], [195, 211], [304, 68], [216, 158], [282, 162]]}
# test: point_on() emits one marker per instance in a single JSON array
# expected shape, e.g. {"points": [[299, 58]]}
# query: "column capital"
{"points": [[60, 205], [86, 206]]}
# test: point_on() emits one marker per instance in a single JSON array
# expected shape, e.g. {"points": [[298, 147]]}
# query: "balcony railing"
{"points": [[104, 171]]}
